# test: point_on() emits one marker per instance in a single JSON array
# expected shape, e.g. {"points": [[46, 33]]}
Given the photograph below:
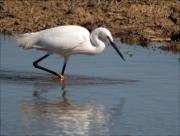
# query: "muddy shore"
{"points": [[133, 21]]}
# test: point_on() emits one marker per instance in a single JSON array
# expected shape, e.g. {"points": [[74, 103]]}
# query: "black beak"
{"points": [[117, 50]]}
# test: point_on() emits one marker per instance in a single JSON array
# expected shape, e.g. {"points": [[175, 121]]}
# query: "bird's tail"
{"points": [[26, 40]]}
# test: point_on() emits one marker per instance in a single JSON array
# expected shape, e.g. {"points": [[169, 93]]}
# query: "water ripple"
{"points": [[32, 77]]}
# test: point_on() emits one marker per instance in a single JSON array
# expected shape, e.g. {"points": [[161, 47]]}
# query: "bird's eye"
{"points": [[101, 37], [108, 38]]}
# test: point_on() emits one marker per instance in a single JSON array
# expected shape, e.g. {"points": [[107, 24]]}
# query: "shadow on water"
{"points": [[41, 78], [40, 115]]}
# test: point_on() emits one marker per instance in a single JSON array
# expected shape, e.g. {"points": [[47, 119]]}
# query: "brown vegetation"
{"points": [[134, 21]]}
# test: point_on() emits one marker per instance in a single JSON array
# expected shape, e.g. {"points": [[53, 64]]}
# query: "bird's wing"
{"points": [[62, 39]]}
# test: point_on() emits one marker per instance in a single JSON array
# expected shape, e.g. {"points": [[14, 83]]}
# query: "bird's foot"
{"points": [[62, 77]]}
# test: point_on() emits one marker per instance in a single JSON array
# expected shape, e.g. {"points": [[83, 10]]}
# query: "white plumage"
{"points": [[65, 41]]}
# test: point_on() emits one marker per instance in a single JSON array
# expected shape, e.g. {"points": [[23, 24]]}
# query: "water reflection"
{"points": [[60, 116], [45, 113]]}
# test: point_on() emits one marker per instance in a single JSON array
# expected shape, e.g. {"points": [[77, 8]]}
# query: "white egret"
{"points": [[65, 41]]}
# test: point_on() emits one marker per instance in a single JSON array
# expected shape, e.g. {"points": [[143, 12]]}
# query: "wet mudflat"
{"points": [[137, 21], [102, 95]]}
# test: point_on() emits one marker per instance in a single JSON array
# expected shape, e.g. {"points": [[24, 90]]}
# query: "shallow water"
{"points": [[102, 95]]}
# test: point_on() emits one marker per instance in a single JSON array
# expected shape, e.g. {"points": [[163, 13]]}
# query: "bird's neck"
{"points": [[97, 44]]}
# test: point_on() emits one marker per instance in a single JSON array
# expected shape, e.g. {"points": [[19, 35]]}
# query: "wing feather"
{"points": [[62, 38]]}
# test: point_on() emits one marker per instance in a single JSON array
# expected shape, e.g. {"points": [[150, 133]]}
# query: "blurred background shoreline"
{"points": [[138, 22]]}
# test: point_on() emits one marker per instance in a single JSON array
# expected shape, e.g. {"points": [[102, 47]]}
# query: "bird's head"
{"points": [[105, 36]]}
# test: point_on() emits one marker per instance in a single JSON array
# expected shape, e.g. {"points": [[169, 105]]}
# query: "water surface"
{"points": [[102, 95]]}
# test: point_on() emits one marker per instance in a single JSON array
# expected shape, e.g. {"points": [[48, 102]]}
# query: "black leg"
{"points": [[63, 69], [35, 64]]}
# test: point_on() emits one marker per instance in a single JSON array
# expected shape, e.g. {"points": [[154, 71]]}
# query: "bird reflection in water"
{"points": [[44, 116]]}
